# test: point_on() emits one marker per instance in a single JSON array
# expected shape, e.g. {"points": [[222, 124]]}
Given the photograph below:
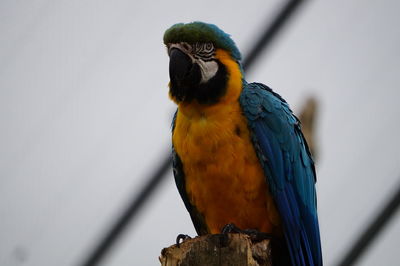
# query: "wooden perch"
{"points": [[218, 250]]}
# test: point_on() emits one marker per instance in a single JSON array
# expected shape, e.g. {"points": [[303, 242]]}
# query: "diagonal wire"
{"points": [[128, 214], [268, 36], [372, 231], [134, 206]]}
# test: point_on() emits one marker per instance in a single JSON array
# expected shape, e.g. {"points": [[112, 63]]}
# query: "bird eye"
{"points": [[204, 51]]}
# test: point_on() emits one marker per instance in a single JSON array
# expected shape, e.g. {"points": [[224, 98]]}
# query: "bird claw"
{"points": [[255, 236], [183, 238], [230, 228]]}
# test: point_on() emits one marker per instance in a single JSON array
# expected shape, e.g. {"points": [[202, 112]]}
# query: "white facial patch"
{"points": [[208, 69]]}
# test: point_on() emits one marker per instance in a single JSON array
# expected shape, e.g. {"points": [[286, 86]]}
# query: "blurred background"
{"points": [[85, 119]]}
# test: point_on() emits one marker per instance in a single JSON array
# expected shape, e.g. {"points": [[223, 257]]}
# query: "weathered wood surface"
{"points": [[218, 250]]}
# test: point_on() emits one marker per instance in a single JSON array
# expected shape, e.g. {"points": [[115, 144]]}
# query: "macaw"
{"points": [[239, 156]]}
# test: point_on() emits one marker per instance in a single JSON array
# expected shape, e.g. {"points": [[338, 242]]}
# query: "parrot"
{"points": [[239, 156]]}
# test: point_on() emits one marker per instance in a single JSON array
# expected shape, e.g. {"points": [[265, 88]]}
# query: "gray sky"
{"points": [[85, 117]]}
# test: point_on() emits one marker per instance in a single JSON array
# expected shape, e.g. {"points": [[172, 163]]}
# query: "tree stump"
{"points": [[218, 250]]}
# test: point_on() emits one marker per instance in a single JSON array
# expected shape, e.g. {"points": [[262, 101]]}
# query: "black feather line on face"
{"points": [[191, 89]]}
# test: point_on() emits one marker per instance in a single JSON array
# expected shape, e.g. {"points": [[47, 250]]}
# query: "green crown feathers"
{"points": [[201, 32]]}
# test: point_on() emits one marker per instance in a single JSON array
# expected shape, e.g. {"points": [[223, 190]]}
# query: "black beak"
{"points": [[179, 65]]}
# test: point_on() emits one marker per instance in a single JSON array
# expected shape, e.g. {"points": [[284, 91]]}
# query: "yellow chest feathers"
{"points": [[211, 138], [223, 176]]}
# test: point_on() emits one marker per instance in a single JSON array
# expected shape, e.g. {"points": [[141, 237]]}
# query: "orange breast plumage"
{"points": [[224, 179]]}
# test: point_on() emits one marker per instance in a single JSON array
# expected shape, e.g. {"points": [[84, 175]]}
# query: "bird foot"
{"points": [[255, 236], [183, 238], [231, 228]]}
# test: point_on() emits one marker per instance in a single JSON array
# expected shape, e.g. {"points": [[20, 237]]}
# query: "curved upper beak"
{"points": [[180, 64]]}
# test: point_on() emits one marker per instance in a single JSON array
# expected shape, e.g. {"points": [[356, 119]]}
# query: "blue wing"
{"points": [[289, 168]]}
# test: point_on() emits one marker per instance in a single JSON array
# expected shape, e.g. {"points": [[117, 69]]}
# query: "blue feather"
{"points": [[289, 168]]}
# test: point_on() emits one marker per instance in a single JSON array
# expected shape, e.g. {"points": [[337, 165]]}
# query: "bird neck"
{"points": [[234, 85]]}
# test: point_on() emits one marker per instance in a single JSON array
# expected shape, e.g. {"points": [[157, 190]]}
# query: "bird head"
{"points": [[204, 63]]}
